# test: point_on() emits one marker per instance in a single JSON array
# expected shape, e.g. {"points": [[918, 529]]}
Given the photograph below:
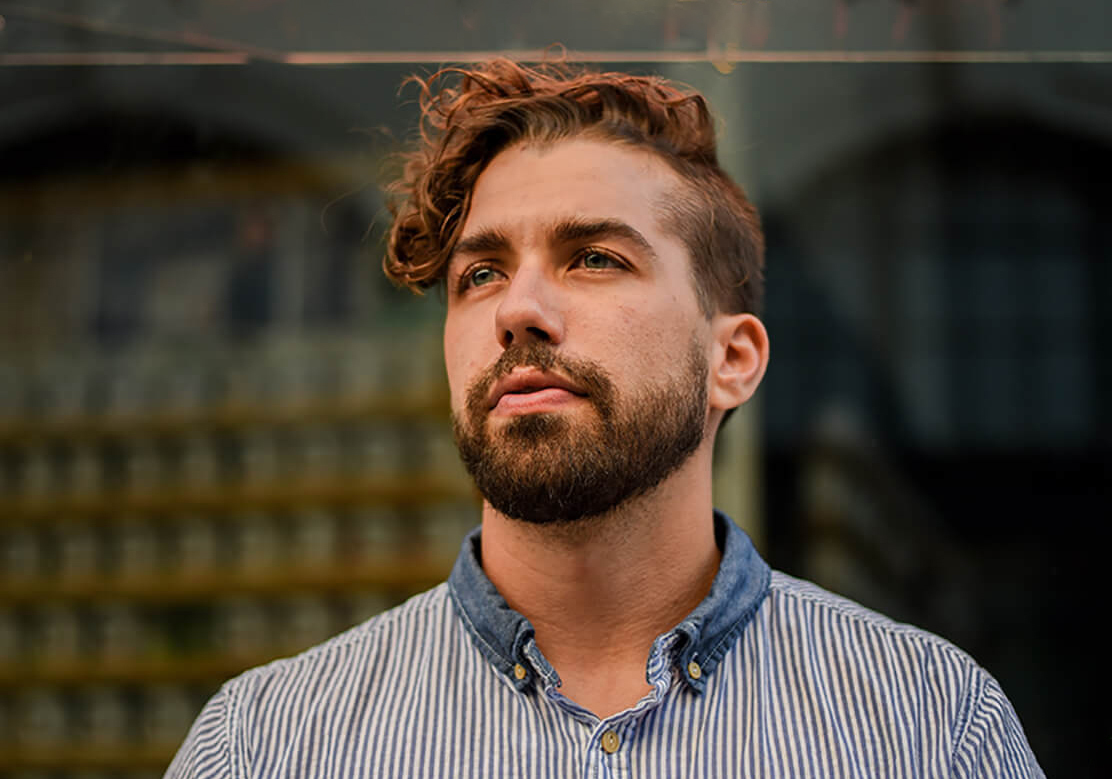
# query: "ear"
{"points": [[739, 359]]}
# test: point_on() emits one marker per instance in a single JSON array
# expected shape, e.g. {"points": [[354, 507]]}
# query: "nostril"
{"points": [[539, 333]]}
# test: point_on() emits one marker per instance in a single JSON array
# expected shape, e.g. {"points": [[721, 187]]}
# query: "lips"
{"points": [[527, 381]]}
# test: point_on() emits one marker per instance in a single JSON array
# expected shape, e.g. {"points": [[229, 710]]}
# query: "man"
{"points": [[602, 275]]}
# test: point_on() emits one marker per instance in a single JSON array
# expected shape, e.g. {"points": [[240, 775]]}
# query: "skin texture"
{"points": [[564, 250]]}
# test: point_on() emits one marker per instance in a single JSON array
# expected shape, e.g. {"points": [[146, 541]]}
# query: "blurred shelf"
{"points": [[280, 497], [193, 669], [68, 758], [170, 185], [217, 419], [401, 573], [314, 476]]}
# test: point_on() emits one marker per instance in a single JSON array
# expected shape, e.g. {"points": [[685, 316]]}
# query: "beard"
{"points": [[544, 468]]}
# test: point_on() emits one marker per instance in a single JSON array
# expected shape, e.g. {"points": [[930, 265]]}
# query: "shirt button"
{"points": [[611, 742], [693, 670], [519, 671]]}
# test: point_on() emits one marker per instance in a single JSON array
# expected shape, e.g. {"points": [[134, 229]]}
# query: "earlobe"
{"points": [[740, 358]]}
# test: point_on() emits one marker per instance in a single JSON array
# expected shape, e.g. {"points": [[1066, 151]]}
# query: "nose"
{"points": [[529, 310]]}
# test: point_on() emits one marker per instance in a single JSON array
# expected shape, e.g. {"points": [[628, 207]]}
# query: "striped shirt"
{"points": [[770, 676]]}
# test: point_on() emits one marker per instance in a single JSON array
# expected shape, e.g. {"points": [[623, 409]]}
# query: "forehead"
{"points": [[532, 185]]}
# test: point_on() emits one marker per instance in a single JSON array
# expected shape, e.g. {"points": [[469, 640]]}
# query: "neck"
{"points": [[599, 592]]}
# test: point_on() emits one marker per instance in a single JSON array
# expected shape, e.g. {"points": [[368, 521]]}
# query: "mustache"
{"points": [[591, 377]]}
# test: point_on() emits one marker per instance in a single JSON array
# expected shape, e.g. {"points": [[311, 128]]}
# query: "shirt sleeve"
{"points": [[206, 751], [993, 743]]}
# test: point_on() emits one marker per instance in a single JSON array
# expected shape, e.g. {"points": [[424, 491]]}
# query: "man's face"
{"points": [[574, 342]]}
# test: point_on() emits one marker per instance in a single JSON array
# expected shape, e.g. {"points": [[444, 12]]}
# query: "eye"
{"points": [[478, 277], [593, 259]]}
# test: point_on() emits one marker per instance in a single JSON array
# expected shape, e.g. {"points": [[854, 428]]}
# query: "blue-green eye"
{"points": [[597, 260], [480, 276]]}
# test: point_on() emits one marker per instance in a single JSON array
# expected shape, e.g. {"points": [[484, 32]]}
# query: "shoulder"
{"points": [[904, 685], [339, 676], [838, 647], [807, 606], [403, 630], [838, 637]]}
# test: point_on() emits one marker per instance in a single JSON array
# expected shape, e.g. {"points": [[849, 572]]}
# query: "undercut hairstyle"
{"points": [[469, 116]]}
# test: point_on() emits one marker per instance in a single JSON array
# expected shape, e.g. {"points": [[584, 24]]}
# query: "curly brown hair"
{"points": [[468, 116]]}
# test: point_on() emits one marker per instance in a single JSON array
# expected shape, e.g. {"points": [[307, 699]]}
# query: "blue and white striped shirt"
{"points": [[769, 677]]}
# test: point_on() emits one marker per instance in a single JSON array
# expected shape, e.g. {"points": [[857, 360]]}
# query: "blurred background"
{"points": [[223, 436]]}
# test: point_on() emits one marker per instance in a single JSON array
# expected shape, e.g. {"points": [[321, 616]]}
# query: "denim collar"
{"points": [[505, 637]]}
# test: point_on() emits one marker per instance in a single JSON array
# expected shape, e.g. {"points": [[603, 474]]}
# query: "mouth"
{"points": [[529, 387]]}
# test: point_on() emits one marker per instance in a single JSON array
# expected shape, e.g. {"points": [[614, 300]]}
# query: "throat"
{"points": [[606, 693]]}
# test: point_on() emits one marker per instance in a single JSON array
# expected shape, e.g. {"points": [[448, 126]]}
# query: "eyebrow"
{"points": [[483, 242], [569, 230], [581, 229]]}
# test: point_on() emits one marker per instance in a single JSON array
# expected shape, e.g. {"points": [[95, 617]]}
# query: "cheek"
{"points": [[461, 373], [455, 363], [652, 332], [634, 346], [466, 356]]}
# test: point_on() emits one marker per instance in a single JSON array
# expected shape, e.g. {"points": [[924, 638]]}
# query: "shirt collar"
{"points": [[504, 636]]}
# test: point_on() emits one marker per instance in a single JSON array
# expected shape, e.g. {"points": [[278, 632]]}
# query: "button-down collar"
{"points": [[503, 635]]}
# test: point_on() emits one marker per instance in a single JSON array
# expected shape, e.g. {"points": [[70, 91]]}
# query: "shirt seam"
{"points": [[972, 699], [234, 759], [974, 675]]}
